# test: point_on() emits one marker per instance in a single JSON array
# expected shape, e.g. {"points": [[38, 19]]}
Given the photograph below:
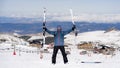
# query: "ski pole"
{"points": [[74, 25], [44, 22]]}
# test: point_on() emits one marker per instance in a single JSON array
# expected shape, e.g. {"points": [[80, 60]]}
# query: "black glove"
{"points": [[74, 27], [76, 33], [44, 27], [42, 45]]}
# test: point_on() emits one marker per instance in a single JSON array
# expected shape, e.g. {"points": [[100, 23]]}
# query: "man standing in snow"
{"points": [[59, 42]]}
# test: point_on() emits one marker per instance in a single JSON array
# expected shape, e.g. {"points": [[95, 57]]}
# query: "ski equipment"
{"points": [[90, 62], [73, 21], [73, 25], [44, 22]]}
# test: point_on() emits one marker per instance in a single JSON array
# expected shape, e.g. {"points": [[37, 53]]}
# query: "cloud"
{"points": [[98, 18], [103, 18]]}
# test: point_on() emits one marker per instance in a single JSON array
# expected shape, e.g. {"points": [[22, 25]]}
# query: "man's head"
{"points": [[59, 28]]}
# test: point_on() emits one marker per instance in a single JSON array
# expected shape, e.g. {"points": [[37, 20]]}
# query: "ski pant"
{"points": [[55, 51]]}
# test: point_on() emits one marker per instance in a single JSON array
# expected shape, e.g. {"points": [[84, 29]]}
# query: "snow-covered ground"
{"points": [[29, 57], [32, 60]]}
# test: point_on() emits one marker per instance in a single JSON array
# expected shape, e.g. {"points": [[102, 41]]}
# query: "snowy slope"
{"points": [[35, 37], [29, 57], [11, 39], [111, 38], [32, 60]]}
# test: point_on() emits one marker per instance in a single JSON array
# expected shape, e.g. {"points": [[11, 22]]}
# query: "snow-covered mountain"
{"points": [[110, 38], [11, 39], [34, 25]]}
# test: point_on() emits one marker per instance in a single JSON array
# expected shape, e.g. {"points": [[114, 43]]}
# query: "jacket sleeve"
{"points": [[50, 32], [67, 31]]}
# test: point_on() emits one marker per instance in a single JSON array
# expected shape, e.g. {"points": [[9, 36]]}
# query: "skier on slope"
{"points": [[59, 42]]}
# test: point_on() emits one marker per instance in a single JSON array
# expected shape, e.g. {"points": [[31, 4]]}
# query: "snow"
{"points": [[32, 60], [109, 38], [29, 57], [10, 39], [35, 37]]}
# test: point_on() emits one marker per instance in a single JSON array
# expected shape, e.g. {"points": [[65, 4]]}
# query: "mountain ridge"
{"points": [[32, 25]]}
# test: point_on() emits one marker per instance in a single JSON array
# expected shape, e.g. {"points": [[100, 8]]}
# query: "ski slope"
{"points": [[29, 57], [32, 60]]}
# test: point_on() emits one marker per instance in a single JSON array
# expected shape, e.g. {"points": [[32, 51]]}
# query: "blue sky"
{"points": [[29, 7]]}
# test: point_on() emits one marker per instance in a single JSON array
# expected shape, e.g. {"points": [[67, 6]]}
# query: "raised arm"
{"points": [[47, 30], [70, 30], [50, 32]]}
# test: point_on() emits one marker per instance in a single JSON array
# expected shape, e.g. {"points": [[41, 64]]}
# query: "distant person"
{"points": [[59, 42]]}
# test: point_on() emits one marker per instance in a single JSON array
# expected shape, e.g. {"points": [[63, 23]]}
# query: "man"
{"points": [[59, 42]]}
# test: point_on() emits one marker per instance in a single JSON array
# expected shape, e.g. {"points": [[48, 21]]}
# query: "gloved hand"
{"points": [[44, 27], [74, 27]]}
